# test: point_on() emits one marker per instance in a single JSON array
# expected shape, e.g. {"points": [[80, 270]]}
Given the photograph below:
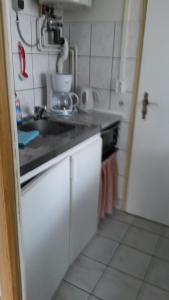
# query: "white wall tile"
{"points": [[40, 68], [66, 31], [31, 7], [130, 72], [121, 103], [26, 83], [117, 39], [80, 36], [100, 72], [34, 36], [102, 39], [123, 136], [115, 71], [40, 97], [132, 42], [26, 98], [121, 182], [25, 26], [102, 100], [52, 63], [121, 159], [83, 71]]}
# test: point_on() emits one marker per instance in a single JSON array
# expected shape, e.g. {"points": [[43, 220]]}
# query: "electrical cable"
{"points": [[21, 36]]}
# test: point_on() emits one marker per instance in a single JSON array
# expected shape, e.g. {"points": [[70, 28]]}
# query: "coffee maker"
{"points": [[60, 99]]}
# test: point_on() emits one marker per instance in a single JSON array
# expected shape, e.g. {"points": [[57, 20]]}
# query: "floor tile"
{"points": [[148, 225], [113, 229], [122, 216], [149, 292], [158, 274], [131, 261], [162, 249], [85, 273], [141, 240], [117, 286], [165, 231], [101, 249], [67, 292]]}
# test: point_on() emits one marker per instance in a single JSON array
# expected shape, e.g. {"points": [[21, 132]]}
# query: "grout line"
{"points": [[90, 56], [108, 266], [137, 217], [139, 291], [143, 281], [111, 75], [130, 246], [34, 88], [92, 295], [92, 292], [109, 56], [125, 273], [95, 260], [156, 286], [133, 276], [112, 65], [31, 89], [31, 28], [75, 286]]}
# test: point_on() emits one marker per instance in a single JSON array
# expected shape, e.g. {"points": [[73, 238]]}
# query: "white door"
{"points": [[149, 175], [85, 170], [45, 231]]}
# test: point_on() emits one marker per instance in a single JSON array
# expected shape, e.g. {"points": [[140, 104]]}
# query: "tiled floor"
{"points": [[127, 260]]}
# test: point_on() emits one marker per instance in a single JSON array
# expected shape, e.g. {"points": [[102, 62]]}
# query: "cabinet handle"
{"points": [[73, 169]]}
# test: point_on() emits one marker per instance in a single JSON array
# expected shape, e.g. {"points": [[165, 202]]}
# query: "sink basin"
{"points": [[47, 127]]}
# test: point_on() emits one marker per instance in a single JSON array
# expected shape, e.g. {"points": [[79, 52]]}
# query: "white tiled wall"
{"points": [[31, 91], [99, 43]]}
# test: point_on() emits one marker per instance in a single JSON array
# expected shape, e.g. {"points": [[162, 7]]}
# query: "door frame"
{"points": [[143, 14], [10, 268]]}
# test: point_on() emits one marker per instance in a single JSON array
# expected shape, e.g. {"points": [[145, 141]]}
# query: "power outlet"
{"points": [[18, 5]]}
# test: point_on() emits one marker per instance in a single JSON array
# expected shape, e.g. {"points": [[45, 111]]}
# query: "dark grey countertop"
{"points": [[94, 117], [45, 148]]}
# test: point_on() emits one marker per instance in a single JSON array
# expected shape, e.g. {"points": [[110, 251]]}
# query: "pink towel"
{"points": [[108, 185]]}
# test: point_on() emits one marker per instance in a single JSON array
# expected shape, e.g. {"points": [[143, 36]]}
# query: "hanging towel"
{"points": [[24, 138], [108, 186]]}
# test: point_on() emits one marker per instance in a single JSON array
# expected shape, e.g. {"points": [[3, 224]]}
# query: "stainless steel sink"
{"points": [[47, 127]]}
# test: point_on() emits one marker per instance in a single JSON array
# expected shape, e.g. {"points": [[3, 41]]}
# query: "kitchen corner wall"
{"points": [[97, 33], [31, 91]]}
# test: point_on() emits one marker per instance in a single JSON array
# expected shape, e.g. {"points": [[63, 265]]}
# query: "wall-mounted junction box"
{"points": [[18, 5]]}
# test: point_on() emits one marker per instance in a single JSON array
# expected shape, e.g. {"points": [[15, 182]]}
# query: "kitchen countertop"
{"points": [[45, 148], [92, 117]]}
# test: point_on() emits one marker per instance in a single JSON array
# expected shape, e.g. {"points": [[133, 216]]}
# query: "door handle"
{"points": [[145, 104]]}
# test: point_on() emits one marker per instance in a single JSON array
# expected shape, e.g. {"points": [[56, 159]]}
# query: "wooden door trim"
{"points": [[10, 273], [135, 97]]}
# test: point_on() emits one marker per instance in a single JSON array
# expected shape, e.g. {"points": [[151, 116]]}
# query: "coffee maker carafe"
{"points": [[59, 98]]}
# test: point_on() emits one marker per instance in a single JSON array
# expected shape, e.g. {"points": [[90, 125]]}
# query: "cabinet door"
{"points": [[45, 231], [85, 185]]}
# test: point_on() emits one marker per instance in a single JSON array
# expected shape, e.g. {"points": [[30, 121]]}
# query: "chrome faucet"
{"points": [[40, 112]]}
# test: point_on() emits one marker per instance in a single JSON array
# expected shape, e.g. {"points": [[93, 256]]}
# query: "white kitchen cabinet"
{"points": [[85, 184], [45, 231]]}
